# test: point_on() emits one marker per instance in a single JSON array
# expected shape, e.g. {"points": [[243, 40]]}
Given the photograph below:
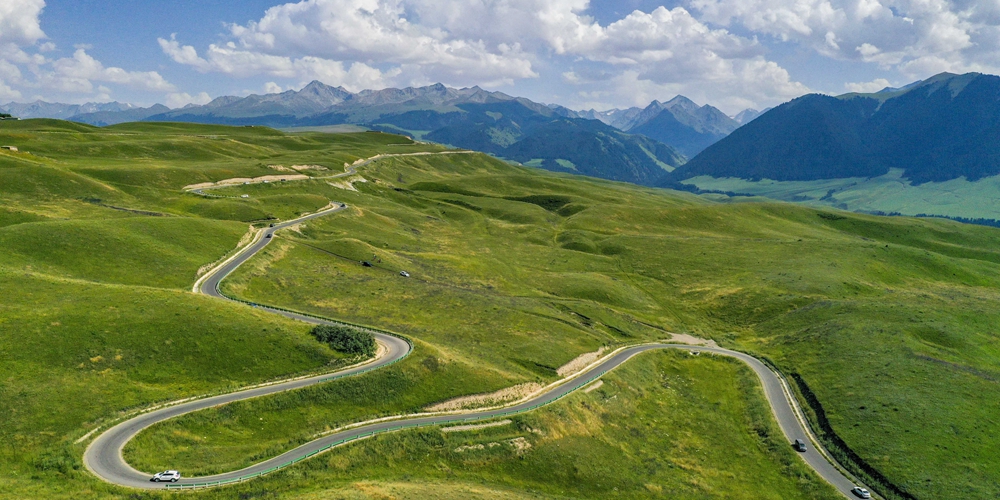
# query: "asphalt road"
{"points": [[104, 455], [350, 170]]}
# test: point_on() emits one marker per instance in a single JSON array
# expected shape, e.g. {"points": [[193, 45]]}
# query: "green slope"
{"points": [[150, 251], [888, 322], [890, 193], [885, 320]]}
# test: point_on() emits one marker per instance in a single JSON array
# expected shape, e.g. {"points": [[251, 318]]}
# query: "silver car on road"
{"points": [[167, 475]]}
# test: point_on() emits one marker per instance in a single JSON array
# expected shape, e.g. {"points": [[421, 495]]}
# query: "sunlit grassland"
{"points": [[889, 193], [95, 317], [135, 251], [665, 425], [144, 165], [889, 321], [77, 355], [262, 428]]}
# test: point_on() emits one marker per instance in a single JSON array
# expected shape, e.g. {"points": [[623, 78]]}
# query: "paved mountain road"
{"points": [[104, 455], [348, 171]]}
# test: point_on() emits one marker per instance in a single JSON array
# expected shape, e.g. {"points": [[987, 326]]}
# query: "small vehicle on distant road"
{"points": [[365, 263], [799, 445], [342, 205], [404, 274], [272, 225], [268, 235], [167, 475], [861, 492]]}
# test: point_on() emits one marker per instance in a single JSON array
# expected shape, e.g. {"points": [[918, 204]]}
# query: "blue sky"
{"points": [[600, 53]]}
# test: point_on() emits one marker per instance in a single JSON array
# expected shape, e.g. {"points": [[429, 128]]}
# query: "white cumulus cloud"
{"points": [[375, 43], [867, 87], [7, 93], [19, 23], [181, 99], [341, 42], [24, 65], [84, 68], [240, 62], [911, 36]]}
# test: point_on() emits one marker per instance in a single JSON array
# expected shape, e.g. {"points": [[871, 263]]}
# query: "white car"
{"points": [[404, 274], [861, 492], [167, 475]]}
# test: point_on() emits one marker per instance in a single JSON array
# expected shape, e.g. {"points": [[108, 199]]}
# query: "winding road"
{"points": [[104, 457], [349, 170]]}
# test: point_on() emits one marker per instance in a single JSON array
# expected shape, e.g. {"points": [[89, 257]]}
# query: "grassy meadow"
{"points": [[889, 193], [100, 246], [888, 322], [665, 425]]}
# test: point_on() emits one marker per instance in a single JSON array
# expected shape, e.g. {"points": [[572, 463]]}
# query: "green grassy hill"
{"points": [[100, 247], [882, 319], [886, 324]]}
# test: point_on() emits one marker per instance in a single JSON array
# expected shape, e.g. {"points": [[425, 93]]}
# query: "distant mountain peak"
{"points": [[681, 123], [681, 101], [748, 115], [315, 84]]}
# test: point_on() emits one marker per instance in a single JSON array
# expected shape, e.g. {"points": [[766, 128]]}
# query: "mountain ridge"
{"points": [[43, 109], [938, 129], [547, 136], [680, 122]]}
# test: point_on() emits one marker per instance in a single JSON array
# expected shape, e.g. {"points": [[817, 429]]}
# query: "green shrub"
{"points": [[346, 339]]}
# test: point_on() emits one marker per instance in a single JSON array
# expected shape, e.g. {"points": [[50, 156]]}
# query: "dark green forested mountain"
{"points": [[547, 139], [942, 128]]}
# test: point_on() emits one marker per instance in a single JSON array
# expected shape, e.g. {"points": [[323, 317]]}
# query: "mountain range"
{"points": [[679, 122], [942, 128], [683, 124], [42, 109], [748, 115], [639, 145], [547, 136]]}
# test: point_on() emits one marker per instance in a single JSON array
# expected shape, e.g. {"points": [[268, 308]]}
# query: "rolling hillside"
{"points": [[103, 246], [884, 326]]}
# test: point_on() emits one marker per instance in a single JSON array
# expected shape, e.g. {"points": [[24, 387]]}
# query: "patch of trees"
{"points": [[346, 339]]}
